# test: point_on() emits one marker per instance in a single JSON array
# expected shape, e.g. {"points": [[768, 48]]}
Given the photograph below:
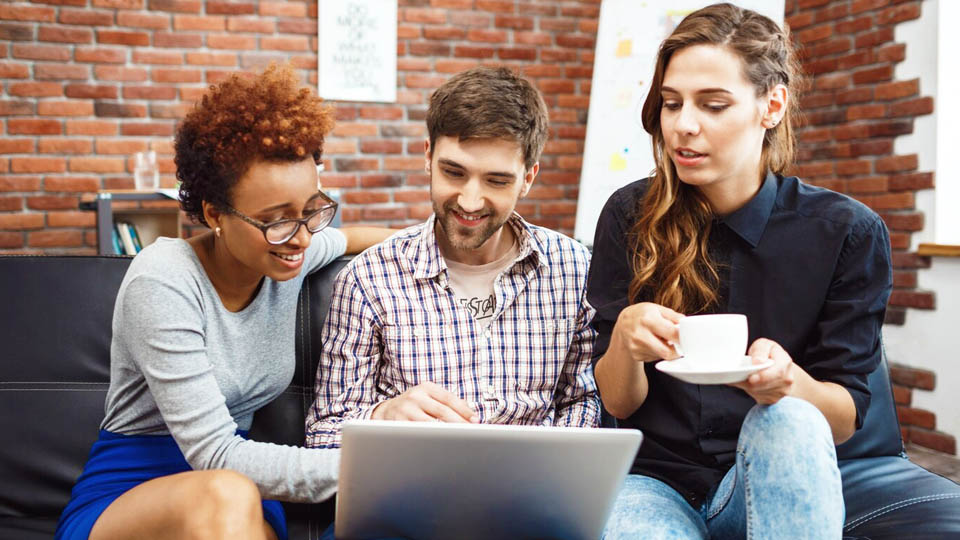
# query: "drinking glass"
{"points": [[146, 176]]}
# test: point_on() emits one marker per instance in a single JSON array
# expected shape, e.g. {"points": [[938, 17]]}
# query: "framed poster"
{"points": [[357, 50], [617, 150]]}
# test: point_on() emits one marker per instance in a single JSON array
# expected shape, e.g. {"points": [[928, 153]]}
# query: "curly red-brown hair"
{"points": [[269, 116]]}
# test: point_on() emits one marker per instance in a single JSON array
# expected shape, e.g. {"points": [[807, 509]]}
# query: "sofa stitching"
{"points": [[304, 326], [896, 506], [298, 359]]}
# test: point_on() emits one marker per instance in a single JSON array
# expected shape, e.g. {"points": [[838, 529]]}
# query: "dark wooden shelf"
{"points": [[151, 218]]}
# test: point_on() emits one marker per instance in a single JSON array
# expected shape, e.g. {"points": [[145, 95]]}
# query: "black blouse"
{"points": [[810, 268]]}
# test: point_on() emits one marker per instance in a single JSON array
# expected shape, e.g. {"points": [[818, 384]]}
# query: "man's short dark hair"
{"points": [[488, 102]]}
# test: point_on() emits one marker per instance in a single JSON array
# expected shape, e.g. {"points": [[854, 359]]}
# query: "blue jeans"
{"points": [[785, 484]]}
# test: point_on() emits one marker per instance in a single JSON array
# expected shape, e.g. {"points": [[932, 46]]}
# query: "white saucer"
{"points": [[687, 372]]}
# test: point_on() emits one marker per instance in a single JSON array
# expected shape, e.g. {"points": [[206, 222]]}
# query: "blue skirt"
{"points": [[117, 464]]}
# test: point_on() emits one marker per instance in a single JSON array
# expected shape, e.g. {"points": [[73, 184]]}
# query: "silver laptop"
{"points": [[428, 481]]}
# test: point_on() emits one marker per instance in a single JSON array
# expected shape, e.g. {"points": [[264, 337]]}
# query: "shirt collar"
{"points": [[429, 261], [750, 220]]}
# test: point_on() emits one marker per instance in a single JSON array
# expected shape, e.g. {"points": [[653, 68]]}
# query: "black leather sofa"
{"points": [[55, 327]]}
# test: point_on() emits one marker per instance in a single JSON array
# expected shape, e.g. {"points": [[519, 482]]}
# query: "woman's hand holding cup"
{"points": [[770, 385], [646, 332]]}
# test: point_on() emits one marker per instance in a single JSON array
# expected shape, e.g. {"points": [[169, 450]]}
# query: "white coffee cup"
{"points": [[713, 341]]}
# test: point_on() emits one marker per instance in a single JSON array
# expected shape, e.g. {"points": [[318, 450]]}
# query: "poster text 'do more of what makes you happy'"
{"points": [[357, 51]]}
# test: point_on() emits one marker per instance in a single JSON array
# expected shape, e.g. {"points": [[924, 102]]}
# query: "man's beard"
{"points": [[466, 238]]}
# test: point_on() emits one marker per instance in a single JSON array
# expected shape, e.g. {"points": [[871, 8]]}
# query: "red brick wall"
{"points": [[854, 109], [86, 83], [918, 426]]}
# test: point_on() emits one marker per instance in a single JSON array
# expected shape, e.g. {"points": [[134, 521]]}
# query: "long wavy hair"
{"points": [[670, 259]]}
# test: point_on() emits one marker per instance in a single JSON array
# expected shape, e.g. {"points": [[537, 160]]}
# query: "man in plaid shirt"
{"points": [[474, 315]]}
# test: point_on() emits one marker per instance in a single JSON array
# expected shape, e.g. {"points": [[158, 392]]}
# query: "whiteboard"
{"points": [[357, 50], [617, 150]]}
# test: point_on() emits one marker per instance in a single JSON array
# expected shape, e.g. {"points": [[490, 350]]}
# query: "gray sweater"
{"points": [[182, 364]]}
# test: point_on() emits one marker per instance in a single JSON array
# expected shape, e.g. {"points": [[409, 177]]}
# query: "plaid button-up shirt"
{"points": [[394, 323]]}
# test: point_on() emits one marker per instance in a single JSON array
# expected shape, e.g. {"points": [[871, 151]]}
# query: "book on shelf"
{"points": [[135, 236], [117, 244], [123, 230]]}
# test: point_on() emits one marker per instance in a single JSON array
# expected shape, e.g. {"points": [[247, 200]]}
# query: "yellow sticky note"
{"points": [[624, 48], [617, 162]]}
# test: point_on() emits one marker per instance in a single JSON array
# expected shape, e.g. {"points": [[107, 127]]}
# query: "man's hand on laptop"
{"points": [[426, 402]]}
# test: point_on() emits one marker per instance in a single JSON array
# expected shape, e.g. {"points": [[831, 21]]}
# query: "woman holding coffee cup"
{"points": [[719, 229]]}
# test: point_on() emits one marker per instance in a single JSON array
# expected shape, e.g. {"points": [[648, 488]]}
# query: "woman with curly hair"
{"points": [[719, 228], [203, 330]]}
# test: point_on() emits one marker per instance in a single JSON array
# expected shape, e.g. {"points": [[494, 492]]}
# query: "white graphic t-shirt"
{"points": [[473, 284]]}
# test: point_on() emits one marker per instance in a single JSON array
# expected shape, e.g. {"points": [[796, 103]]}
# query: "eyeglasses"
{"points": [[281, 231]]}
